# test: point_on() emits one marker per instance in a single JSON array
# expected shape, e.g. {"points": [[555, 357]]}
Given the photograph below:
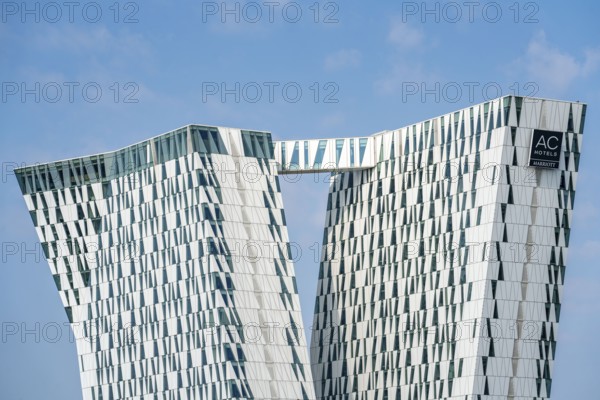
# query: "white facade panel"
{"points": [[442, 271]]}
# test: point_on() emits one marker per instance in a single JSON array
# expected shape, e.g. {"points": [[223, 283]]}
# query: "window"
{"points": [[320, 154]]}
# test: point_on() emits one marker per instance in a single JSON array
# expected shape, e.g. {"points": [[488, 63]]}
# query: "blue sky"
{"points": [[77, 82]]}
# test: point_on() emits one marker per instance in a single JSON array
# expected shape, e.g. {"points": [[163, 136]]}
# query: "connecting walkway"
{"points": [[325, 155]]}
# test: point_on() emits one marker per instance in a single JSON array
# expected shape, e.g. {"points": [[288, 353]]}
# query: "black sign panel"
{"points": [[546, 147]]}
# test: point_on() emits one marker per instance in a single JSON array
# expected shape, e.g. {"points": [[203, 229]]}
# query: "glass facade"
{"points": [[444, 257]]}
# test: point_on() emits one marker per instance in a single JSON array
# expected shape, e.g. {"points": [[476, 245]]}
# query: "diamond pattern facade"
{"points": [[443, 263]]}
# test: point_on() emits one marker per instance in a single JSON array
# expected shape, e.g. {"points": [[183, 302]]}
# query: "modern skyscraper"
{"points": [[444, 256], [170, 257], [444, 263]]}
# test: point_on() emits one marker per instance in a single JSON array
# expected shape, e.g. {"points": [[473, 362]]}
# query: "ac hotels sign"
{"points": [[545, 149]]}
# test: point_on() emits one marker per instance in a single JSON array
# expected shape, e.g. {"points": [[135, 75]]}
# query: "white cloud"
{"points": [[404, 69], [96, 38], [343, 59], [94, 53], [98, 46], [405, 36], [553, 69], [592, 61]]}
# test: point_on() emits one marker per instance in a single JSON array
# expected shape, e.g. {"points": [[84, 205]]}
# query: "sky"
{"points": [[87, 77]]}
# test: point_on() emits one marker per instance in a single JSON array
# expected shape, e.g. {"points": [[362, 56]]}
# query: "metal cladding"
{"points": [[444, 257]]}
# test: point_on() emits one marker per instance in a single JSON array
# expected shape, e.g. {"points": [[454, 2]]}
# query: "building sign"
{"points": [[545, 149]]}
